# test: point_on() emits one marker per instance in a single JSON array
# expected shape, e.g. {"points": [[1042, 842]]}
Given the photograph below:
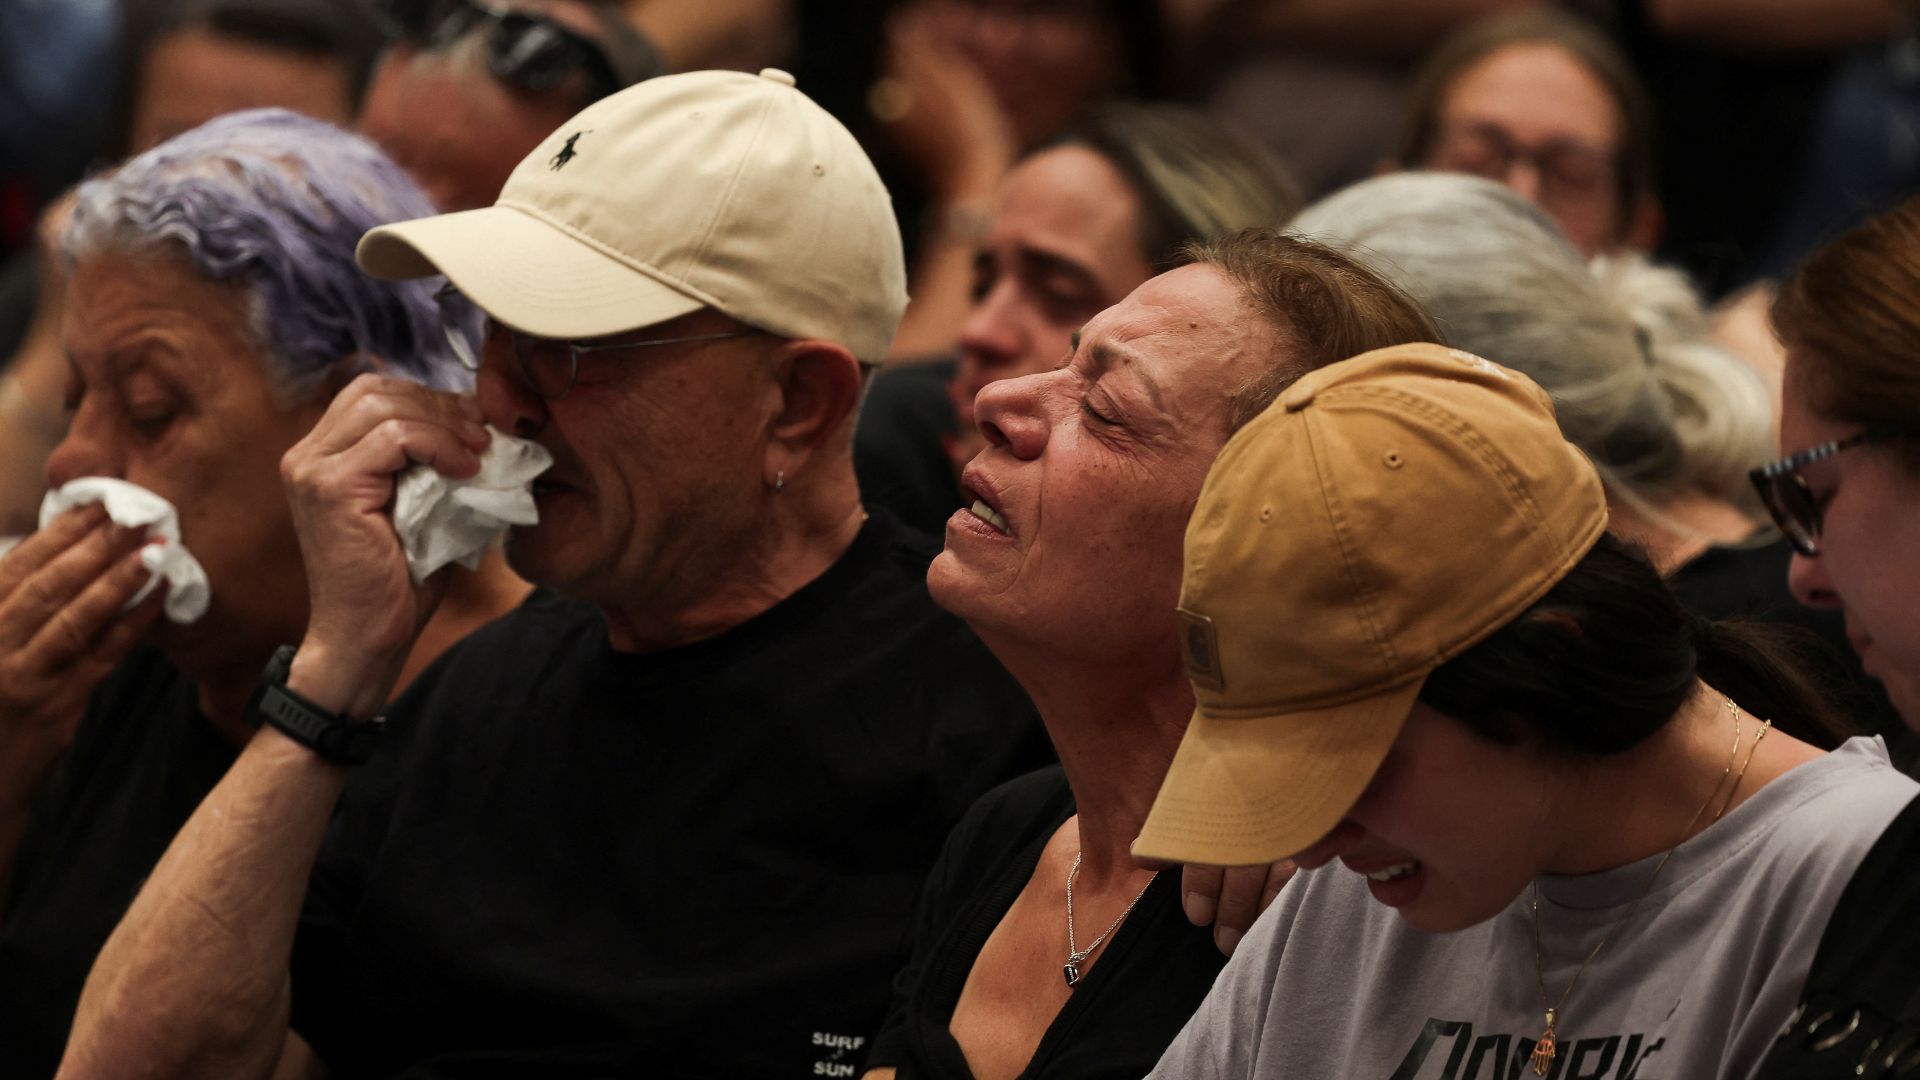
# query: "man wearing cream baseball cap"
{"points": [[773, 216], [1565, 836], [670, 816]]}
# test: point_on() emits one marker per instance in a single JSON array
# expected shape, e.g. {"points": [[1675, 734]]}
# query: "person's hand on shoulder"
{"points": [[1230, 899]]}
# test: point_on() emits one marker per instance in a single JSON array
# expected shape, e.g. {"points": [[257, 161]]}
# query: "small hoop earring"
{"points": [[779, 481]]}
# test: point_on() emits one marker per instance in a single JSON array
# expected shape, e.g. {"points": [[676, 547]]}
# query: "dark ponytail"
{"points": [[1769, 668], [1608, 656]]}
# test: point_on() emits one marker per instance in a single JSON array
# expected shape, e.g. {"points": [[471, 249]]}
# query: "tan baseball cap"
{"points": [[710, 189], [1383, 516]]}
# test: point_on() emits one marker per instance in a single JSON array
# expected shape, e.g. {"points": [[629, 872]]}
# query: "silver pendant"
{"points": [[1072, 971]]}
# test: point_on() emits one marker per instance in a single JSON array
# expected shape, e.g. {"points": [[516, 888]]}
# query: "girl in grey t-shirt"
{"points": [[1547, 825]]}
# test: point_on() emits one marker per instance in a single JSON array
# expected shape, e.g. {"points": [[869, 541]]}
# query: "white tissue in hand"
{"points": [[441, 520], [134, 506]]}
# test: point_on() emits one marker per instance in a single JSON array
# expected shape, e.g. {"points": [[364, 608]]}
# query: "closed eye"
{"points": [[152, 424]]}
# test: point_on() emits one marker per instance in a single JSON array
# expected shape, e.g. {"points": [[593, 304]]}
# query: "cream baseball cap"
{"points": [[710, 189], [1383, 516]]}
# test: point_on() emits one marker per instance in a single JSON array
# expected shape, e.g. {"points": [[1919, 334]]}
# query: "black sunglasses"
{"points": [[1790, 500], [525, 49]]}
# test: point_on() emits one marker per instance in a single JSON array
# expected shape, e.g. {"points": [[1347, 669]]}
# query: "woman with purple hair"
{"points": [[214, 309]]}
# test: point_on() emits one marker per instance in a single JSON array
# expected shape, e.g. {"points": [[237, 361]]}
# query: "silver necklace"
{"points": [[1076, 955]]}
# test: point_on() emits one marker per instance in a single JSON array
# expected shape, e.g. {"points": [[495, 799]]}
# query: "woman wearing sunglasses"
{"points": [[1848, 497]]}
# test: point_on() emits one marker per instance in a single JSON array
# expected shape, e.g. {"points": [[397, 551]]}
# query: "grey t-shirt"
{"points": [[1331, 984]]}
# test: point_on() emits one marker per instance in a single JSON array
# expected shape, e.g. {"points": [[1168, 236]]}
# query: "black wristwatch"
{"points": [[335, 738]]}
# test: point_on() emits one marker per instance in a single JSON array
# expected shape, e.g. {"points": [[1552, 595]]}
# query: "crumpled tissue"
{"points": [[442, 520], [133, 506]]}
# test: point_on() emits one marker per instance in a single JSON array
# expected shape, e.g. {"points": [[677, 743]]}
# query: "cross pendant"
{"points": [[1072, 971]]}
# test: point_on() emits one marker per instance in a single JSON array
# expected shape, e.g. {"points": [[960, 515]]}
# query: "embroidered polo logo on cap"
{"points": [[1200, 645], [567, 153]]}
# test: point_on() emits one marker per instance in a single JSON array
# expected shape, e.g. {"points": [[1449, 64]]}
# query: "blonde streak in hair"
{"points": [[1222, 187], [1209, 201], [1192, 200]]}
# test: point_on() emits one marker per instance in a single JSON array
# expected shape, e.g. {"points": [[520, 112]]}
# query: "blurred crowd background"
{"points": [[1046, 156], [1621, 186], [1763, 124]]}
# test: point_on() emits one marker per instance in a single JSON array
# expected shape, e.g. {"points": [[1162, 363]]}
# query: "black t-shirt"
{"points": [[1156, 968], [141, 761], [696, 862], [900, 446], [1861, 1006]]}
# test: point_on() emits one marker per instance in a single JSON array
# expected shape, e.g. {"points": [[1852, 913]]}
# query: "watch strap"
{"points": [[327, 734]]}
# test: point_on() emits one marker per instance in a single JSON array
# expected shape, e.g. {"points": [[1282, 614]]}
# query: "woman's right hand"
{"points": [[64, 625]]}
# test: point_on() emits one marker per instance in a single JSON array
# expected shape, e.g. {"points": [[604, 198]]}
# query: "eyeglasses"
{"points": [[525, 49], [1790, 500], [549, 366], [1568, 170]]}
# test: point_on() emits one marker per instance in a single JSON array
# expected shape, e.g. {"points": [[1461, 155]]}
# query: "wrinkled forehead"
{"points": [[1191, 330], [1191, 302]]}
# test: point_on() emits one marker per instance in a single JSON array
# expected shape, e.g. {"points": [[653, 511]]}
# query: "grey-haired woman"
{"points": [[214, 309], [1671, 421]]}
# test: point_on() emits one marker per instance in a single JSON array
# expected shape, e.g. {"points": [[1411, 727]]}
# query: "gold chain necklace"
{"points": [[1077, 956], [1549, 1044]]}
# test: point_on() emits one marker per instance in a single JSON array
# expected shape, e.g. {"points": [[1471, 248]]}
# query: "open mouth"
{"points": [[1397, 885], [980, 489], [988, 514], [1396, 871]]}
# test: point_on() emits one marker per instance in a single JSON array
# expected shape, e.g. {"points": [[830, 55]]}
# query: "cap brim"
{"points": [[524, 272], [1250, 791]]}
